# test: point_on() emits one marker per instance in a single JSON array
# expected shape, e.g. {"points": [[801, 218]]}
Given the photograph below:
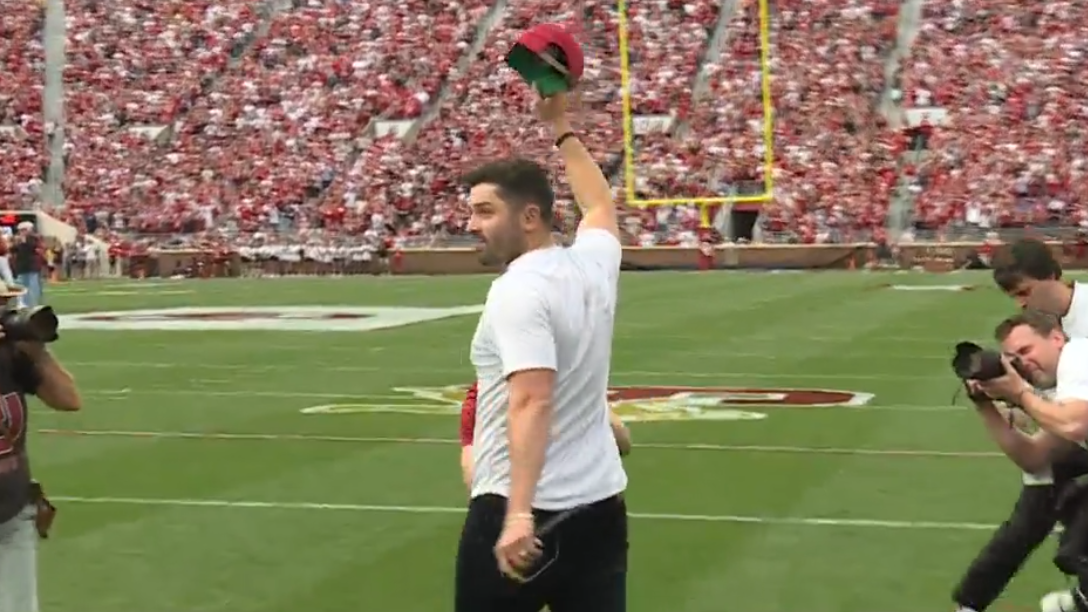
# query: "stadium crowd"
{"points": [[1016, 150], [258, 120]]}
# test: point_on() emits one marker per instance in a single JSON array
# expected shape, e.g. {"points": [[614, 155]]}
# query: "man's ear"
{"points": [[531, 214]]}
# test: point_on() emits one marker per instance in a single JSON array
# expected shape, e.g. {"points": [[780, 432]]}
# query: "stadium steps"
{"points": [[901, 208], [910, 20], [268, 11], [52, 188], [483, 30], [713, 51], [366, 135], [613, 168], [53, 37]]}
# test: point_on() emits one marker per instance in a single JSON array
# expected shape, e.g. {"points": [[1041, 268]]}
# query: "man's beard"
{"points": [[502, 251], [488, 256]]}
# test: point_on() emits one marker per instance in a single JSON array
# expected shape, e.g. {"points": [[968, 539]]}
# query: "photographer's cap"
{"points": [[11, 291]]}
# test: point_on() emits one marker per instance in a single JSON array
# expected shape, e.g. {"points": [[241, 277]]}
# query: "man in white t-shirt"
{"points": [[1050, 359], [1028, 273], [546, 468]]}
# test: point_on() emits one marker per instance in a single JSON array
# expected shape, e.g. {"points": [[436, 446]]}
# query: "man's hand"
{"points": [[621, 433], [1010, 387], [30, 348], [1013, 416], [553, 108], [56, 388], [977, 395], [518, 546]]}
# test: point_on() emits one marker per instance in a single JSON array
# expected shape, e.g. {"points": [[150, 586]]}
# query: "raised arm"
{"points": [[591, 189]]}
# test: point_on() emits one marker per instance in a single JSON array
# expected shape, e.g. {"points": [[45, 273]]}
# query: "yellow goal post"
{"points": [[704, 203]]}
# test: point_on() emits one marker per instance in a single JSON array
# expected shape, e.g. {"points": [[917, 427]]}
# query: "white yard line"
{"points": [[741, 448], [652, 516], [465, 371]]}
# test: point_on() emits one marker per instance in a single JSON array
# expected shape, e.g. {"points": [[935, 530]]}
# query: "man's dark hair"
{"points": [[519, 181], [1027, 258], [1043, 323]]}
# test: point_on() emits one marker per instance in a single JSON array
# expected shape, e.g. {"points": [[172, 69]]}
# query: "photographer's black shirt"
{"points": [[26, 256], [18, 377]]}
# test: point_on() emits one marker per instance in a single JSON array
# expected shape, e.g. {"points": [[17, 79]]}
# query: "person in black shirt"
{"points": [[26, 249], [26, 368]]}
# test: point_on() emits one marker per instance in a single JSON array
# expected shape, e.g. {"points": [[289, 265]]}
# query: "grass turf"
{"points": [[805, 509]]}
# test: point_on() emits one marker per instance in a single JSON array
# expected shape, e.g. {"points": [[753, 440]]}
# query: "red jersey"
{"points": [[468, 416]]}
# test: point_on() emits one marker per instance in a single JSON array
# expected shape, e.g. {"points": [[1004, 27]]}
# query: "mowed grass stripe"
{"points": [[642, 445], [651, 516]]}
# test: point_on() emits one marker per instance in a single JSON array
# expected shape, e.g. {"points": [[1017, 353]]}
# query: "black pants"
{"points": [[584, 562], [1033, 519]]}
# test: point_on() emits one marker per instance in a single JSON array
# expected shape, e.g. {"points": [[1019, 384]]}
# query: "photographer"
{"points": [[27, 252], [1027, 272], [1046, 358], [26, 367]]}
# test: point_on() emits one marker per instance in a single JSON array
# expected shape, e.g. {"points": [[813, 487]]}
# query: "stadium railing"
{"points": [[931, 256]]}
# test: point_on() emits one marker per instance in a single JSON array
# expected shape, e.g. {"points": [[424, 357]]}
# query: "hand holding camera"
{"points": [[988, 374]]}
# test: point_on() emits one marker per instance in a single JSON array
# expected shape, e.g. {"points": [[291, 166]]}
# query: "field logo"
{"points": [[659, 403], [265, 318], [667, 403]]}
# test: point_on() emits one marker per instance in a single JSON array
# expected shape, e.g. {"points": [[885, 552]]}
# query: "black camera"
{"points": [[972, 362], [38, 324]]}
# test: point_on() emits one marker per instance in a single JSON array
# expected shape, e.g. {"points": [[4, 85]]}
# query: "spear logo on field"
{"points": [[659, 403]]}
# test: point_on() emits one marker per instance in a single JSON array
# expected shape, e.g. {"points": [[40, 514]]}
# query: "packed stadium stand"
{"points": [[1013, 81], [338, 120]]}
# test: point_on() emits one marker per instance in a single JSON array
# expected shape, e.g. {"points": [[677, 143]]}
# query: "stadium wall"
{"points": [[934, 257]]}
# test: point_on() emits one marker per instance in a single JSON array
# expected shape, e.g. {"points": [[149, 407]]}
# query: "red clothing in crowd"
{"points": [[468, 416]]}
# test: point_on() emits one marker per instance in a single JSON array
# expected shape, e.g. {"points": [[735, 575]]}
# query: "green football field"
{"points": [[262, 470]]}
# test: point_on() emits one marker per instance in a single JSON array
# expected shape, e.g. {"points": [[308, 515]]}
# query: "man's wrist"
{"points": [[561, 126], [519, 516], [1023, 395]]}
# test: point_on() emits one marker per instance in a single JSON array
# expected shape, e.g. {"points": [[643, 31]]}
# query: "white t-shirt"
{"points": [[1073, 371], [1075, 325], [553, 308], [1075, 322]]}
